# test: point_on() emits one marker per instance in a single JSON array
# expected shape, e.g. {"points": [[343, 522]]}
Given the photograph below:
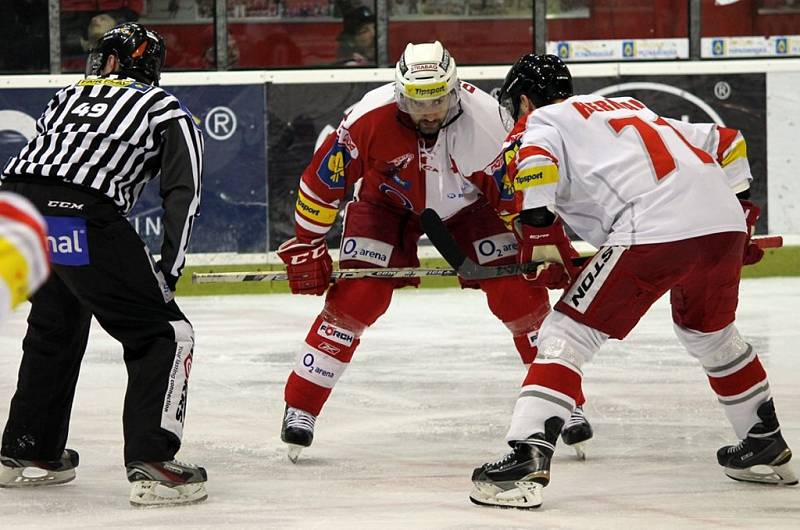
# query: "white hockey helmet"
{"points": [[425, 78]]}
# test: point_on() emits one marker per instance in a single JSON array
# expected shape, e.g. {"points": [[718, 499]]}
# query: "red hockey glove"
{"points": [[550, 245], [308, 266], [752, 252]]}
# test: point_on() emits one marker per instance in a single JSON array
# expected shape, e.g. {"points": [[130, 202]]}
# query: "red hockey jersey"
{"points": [[377, 149]]}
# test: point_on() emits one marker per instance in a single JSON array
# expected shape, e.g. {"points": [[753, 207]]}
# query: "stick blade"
{"points": [[440, 236]]}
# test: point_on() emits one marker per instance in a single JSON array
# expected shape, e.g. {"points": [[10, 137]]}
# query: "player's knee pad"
{"points": [[561, 337], [714, 349]]}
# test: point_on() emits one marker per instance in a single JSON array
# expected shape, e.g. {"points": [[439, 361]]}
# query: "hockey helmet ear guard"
{"points": [[141, 52], [426, 79]]}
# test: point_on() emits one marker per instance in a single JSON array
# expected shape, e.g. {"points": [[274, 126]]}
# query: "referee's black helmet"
{"points": [[141, 52]]}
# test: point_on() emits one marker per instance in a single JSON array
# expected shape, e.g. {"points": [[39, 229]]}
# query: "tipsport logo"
{"points": [[428, 91], [330, 332]]}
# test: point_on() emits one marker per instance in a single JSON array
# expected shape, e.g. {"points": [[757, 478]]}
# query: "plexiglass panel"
{"points": [[610, 30], [475, 31], [293, 33], [750, 28]]}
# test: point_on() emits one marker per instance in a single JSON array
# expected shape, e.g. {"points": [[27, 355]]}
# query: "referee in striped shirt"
{"points": [[99, 142]]}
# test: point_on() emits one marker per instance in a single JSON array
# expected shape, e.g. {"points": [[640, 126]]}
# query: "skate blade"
{"points": [[294, 452], [524, 496], [26, 477], [147, 493], [782, 475], [580, 450]]}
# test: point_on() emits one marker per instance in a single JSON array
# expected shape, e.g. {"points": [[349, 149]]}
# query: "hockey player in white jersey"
{"points": [[658, 197]]}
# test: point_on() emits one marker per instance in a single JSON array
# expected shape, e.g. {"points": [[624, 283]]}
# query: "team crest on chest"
{"points": [[393, 167]]}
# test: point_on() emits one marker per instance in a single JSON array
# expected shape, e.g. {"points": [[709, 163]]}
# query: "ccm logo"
{"points": [[314, 254], [65, 204]]}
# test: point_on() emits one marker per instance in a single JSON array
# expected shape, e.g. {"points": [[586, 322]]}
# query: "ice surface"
{"points": [[427, 398]]}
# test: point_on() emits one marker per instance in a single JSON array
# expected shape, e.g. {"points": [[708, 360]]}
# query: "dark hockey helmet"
{"points": [[543, 78], [141, 52]]}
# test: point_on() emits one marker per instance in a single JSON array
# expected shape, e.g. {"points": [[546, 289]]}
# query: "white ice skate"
{"points": [[524, 495], [166, 483]]}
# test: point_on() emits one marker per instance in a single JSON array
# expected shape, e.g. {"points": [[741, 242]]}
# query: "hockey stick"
{"points": [[444, 243], [344, 274], [441, 238]]}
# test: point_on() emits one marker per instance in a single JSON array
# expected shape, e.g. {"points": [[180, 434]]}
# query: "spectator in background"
{"points": [[210, 55], [403, 7], [357, 39], [98, 26], [83, 21]]}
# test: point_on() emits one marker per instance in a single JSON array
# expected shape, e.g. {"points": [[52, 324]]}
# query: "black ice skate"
{"points": [[516, 481], [166, 483], [576, 432], [297, 431], [763, 456], [19, 473]]}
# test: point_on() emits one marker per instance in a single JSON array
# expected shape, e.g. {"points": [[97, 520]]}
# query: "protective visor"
{"points": [[426, 99], [94, 63], [508, 114]]}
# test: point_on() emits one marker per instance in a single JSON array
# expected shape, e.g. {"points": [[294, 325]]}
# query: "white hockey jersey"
{"points": [[619, 174]]}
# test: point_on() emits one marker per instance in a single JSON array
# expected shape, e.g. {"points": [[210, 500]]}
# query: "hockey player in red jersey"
{"points": [[24, 264], [425, 141], [658, 197]]}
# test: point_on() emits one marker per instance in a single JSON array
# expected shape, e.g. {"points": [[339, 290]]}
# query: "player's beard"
{"points": [[429, 128]]}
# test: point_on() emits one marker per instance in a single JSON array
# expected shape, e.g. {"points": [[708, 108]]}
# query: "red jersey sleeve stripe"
{"points": [[533, 150], [726, 138], [10, 211]]}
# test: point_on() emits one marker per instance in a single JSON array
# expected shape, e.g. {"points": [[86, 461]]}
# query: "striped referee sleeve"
{"points": [[181, 185]]}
